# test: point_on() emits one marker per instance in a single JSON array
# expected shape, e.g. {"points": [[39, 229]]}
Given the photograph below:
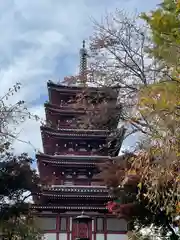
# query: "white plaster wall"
{"points": [[92, 236], [50, 236], [93, 225], [70, 223], [62, 236], [117, 237], [99, 236]]}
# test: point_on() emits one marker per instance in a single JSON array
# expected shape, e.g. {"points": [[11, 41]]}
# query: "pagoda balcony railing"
{"points": [[68, 127], [62, 126], [77, 188], [82, 130], [78, 153], [81, 207], [65, 106], [70, 155], [70, 106]]}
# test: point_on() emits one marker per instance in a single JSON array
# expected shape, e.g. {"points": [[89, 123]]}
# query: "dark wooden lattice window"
{"points": [[63, 224], [99, 224]]}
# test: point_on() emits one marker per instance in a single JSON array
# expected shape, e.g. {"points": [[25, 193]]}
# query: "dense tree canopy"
{"points": [[18, 181]]}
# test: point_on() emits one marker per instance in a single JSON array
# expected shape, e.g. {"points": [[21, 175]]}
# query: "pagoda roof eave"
{"points": [[71, 161], [74, 130], [63, 109], [74, 208], [77, 133], [60, 135], [74, 196], [75, 157], [70, 164], [76, 188], [75, 89]]}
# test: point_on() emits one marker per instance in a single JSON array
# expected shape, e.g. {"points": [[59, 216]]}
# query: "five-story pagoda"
{"points": [[68, 169]]}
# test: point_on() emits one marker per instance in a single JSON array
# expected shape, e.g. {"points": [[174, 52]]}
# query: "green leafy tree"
{"points": [[161, 102], [164, 26], [21, 228], [18, 181]]}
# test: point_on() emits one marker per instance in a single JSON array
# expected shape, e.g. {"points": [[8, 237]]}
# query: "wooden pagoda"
{"points": [[68, 168]]}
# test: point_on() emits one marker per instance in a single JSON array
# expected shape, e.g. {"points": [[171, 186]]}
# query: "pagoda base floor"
{"points": [[58, 226]]}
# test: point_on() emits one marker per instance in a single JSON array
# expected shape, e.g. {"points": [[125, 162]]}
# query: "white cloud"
{"points": [[36, 36]]}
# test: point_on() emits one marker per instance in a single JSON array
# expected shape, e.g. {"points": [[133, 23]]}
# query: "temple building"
{"points": [[68, 168]]}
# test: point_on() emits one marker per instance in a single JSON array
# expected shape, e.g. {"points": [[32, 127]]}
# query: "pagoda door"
{"points": [[82, 230]]}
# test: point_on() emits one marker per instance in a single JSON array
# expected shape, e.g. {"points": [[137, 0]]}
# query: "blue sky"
{"points": [[40, 40]]}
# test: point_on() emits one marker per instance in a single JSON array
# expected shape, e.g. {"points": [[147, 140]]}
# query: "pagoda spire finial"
{"points": [[83, 63]]}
